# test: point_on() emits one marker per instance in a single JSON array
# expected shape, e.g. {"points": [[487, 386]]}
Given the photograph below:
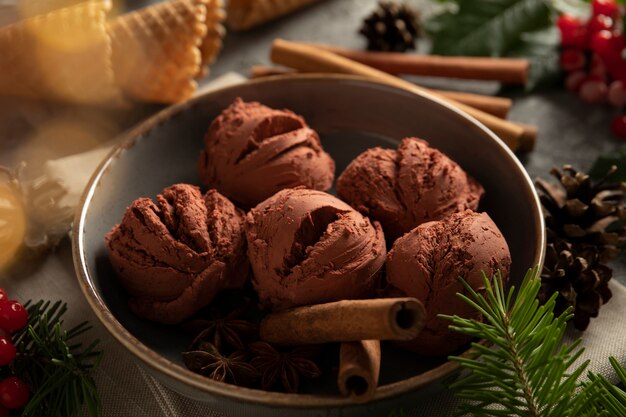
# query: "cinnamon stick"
{"points": [[261, 71], [345, 321], [308, 58], [359, 367], [505, 70], [527, 141], [498, 106]]}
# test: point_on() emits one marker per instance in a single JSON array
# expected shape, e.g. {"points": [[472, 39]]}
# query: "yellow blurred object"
{"points": [[66, 50], [63, 55], [245, 14], [12, 222], [158, 51]]}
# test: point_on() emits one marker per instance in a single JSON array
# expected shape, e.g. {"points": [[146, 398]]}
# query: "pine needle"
{"points": [[526, 369], [55, 365]]}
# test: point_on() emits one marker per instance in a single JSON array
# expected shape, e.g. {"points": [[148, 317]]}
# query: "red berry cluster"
{"points": [[593, 57], [13, 317]]}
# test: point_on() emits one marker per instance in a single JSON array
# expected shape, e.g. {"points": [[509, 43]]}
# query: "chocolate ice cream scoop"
{"points": [[175, 254], [405, 188], [426, 263], [252, 151], [307, 247]]}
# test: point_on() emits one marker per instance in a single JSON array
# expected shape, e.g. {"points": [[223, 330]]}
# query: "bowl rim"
{"points": [[181, 375]]}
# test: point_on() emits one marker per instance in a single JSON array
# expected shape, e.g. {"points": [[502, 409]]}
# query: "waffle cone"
{"points": [[212, 42], [156, 50], [246, 14], [63, 55]]}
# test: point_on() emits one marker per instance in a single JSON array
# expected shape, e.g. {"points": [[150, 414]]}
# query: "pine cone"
{"points": [[585, 228], [48, 218], [585, 211], [391, 27], [580, 279]]}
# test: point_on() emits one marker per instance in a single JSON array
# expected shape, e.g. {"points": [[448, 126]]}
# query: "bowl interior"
{"points": [[351, 115]]}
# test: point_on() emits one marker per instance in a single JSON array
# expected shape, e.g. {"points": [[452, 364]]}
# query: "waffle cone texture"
{"points": [[75, 55], [212, 41]]}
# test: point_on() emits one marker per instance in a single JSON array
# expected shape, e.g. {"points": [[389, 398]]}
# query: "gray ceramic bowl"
{"points": [[351, 115]]}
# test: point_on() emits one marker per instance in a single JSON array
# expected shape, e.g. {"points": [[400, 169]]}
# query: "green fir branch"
{"points": [[57, 367], [526, 370], [602, 398]]}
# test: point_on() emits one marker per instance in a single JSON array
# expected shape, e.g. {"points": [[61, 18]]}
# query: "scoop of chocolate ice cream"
{"points": [[307, 247], [405, 188], [252, 151], [426, 263], [175, 254]]}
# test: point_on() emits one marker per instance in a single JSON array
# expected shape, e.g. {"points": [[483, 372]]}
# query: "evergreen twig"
{"points": [[56, 366], [526, 370]]}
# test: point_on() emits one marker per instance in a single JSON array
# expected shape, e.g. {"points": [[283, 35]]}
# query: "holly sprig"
{"points": [[499, 28], [604, 162], [55, 364]]}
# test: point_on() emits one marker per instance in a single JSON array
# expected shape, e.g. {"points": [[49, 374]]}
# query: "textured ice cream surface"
{"points": [[406, 187], [252, 151], [308, 247], [174, 254], [426, 263]]}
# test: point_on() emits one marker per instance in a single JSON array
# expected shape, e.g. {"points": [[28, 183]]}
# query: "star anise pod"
{"points": [[233, 369], [391, 27], [223, 331], [284, 368]]}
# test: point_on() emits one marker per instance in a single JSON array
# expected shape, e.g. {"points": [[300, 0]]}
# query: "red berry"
{"points": [[567, 22], [572, 60], [617, 94], [12, 316], [13, 392], [598, 23], [573, 31], [3, 294], [574, 80], [601, 42], [607, 44], [605, 7], [616, 66], [7, 351], [618, 126], [593, 91], [597, 70]]}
